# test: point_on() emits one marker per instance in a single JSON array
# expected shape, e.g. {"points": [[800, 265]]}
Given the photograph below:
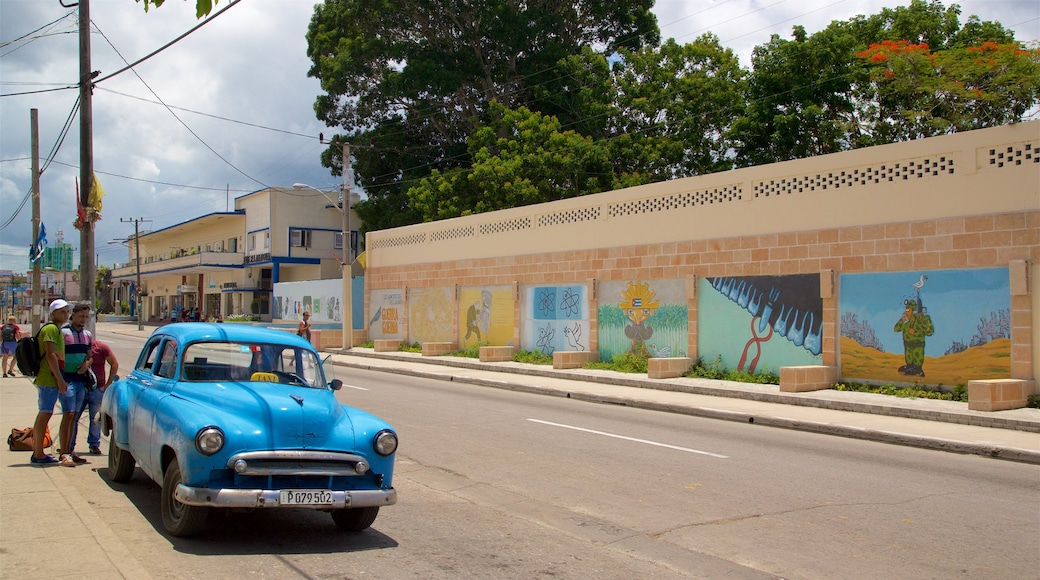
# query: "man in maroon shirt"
{"points": [[99, 356]]}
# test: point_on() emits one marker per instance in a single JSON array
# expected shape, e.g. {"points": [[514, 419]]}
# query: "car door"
{"points": [[155, 384]]}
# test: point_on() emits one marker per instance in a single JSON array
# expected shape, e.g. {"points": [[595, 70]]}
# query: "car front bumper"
{"points": [[268, 498]]}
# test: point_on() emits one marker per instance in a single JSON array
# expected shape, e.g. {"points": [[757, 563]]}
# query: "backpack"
{"points": [[28, 354], [8, 333]]}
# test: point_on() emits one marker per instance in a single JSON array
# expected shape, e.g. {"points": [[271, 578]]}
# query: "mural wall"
{"points": [[646, 318], [485, 316], [760, 323], [934, 326], [321, 298], [387, 308], [430, 312], [554, 318]]}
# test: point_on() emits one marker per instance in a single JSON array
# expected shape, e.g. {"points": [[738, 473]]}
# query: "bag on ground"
{"points": [[22, 439]]}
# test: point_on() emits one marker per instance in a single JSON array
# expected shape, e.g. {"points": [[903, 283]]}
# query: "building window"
{"points": [[252, 242], [232, 245], [267, 239], [338, 243], [300, 238]]}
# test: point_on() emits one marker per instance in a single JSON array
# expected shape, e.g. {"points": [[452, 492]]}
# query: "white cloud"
{"points": [[248, 65]]}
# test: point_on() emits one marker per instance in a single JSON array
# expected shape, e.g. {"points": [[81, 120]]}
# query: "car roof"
{"points": [[184, 332]]}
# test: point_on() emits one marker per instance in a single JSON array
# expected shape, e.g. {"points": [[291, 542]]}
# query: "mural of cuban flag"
{"points": [[759, 323]]}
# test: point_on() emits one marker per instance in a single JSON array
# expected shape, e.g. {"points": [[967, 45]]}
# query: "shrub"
{"points": [[716, 370], [958, 393], [536, 357], [369, 344], [1034, 401], [469, 352], [414, 347], [622, 363], [241, 318]]}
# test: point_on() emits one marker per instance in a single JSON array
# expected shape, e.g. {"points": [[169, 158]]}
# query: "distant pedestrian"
{"points": [[305, 327], [100, 355], [9, 334], [51, 386]]}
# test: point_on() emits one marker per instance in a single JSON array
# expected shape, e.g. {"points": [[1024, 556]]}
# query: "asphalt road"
{"points": [[499, 484]]}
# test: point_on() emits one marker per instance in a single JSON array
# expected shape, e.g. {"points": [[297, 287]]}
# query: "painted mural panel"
{"points": [[486, 316], [430, 312], [644, 317], [322, 298], [760, 323], [387, 307], [554, 318], [935, 326]]}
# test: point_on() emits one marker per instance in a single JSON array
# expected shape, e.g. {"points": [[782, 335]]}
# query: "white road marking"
{"points": [[676, 447], [346, 386]]}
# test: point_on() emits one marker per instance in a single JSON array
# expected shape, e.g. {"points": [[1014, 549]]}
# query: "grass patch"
{"points": [[958, 393], [413, 347], [369, 344], [716, 370], [622, 363], [468, 352], [536, 357]]}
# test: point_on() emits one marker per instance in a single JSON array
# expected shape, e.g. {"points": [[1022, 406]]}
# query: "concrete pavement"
{"points": [[40, 508]]}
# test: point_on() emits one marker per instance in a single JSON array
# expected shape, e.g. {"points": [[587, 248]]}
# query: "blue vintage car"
{"points": [[233, 416]]}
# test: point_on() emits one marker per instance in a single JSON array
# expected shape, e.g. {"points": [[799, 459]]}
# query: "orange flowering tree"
{"points": [[917, 92]]}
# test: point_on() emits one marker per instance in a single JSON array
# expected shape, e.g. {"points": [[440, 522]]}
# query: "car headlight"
{"points": [[209, 440], [385, 442]]}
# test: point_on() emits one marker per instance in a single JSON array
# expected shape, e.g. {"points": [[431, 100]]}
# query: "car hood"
{"points": [[274, 416]]}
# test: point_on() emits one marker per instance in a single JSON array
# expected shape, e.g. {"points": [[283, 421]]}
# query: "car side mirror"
{"points": [[336, 384]]}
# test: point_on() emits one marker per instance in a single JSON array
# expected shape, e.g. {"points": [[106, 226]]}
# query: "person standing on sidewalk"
{"points": [[9, 335], [51, 386], [100, 354], [78, 344], [305, 327]]}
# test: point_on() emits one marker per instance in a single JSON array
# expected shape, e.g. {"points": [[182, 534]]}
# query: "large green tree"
{"points": [[422, 74], [813, 95]]}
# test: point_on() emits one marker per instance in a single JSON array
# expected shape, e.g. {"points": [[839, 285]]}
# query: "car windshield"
{"points": [[240, 361]]}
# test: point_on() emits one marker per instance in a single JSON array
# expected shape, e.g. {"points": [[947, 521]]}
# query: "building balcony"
{"points": [[182, 263]]}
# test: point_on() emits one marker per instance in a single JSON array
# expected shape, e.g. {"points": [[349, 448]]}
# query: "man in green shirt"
{"points": [[51, 386]]}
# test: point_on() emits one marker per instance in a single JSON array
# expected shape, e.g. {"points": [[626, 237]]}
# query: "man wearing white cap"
{"points": [[51, 387]]}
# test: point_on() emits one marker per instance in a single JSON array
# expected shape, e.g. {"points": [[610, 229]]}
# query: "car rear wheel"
{"points": [[120, 462], [179, 519], [355, 520]]}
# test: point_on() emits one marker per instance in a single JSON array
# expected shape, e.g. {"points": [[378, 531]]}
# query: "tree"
{"points": [[422, 74], [813, 95], [202, 7], [520, 158], [922, 93]]}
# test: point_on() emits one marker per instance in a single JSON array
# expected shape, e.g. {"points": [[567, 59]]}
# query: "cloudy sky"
{"points": [[228, 109]]}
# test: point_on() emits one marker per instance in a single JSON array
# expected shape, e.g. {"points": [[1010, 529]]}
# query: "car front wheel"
{"points": [[120, 462], [355, 520], [179, 519]]}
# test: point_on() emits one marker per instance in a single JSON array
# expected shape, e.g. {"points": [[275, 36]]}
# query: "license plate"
{"points": [[305, 497]]}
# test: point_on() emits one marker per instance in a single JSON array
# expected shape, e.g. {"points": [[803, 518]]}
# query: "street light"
{"points": [[347, 307], [137, 267]]}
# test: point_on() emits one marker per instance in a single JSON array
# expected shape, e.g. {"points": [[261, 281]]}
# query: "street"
{"points": [[499, 484]]}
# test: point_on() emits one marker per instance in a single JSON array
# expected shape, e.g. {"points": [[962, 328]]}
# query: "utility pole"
{"points": [[87, 268], [37, 296], [137, 267], [348, 253]]}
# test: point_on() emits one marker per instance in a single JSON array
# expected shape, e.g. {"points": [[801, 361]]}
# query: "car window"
{"points": [[256, 362], [147, 360], [168, 361]]}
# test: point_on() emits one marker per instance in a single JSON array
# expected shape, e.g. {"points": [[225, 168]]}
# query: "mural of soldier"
{"points": [[915, 326], [639, 305]]}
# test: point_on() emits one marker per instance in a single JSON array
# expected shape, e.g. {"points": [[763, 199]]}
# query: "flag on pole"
{"points": [[81, 214], [36, 250], [94, 199]]}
